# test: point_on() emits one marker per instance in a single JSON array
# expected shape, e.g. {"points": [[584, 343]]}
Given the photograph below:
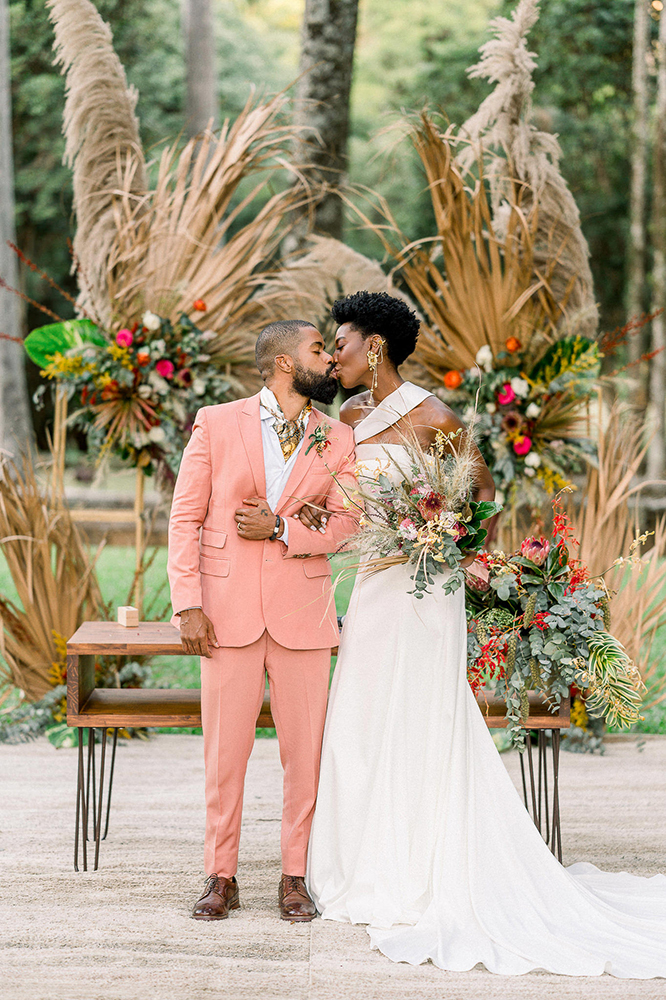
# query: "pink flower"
{"points": [[407, 529], [506, 395], [124, 338], [522, 444], [535, 549], [165, 368]]}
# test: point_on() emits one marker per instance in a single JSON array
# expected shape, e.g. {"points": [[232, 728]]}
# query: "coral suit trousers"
{"points": [[232, 691]]}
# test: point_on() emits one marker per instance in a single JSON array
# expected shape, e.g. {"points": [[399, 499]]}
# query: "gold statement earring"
{"points": [[375, 358]]}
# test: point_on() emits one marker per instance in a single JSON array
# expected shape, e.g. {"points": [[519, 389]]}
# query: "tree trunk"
{"points": [[635, 299], [322, 103], [657, 407], [200, 60], [15, 425]]}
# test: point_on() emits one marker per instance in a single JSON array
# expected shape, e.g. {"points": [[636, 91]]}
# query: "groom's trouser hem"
{"points": [[232, 691]]}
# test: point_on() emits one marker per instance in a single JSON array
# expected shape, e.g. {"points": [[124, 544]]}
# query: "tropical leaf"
{"points": [[42, 343]]}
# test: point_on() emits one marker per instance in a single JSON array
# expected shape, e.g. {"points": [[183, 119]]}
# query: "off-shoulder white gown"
{"points": [[419, 832]]}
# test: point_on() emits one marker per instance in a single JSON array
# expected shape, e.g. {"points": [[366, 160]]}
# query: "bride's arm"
{"points": [[435, 415]]}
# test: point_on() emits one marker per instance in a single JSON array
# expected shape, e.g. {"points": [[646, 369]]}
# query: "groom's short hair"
{"points": [[278, 338]]}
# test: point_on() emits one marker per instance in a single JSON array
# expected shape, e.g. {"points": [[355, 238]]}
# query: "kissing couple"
{"points": [[398, 812]]}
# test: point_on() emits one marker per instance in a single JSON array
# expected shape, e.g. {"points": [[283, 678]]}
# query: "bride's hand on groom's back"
{"points": [[312, 517]]}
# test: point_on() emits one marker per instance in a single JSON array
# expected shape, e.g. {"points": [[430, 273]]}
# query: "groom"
{"points": [[250, 585]]}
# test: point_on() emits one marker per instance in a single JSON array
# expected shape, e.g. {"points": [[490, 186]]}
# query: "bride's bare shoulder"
{"points": [[354, 409], [432, 412]]}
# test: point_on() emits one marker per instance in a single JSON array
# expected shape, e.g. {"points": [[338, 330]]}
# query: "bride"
{"points": [[418, 830]]}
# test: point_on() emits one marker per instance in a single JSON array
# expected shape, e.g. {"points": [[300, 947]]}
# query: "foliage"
{"points": [[423, 515], [538, 622]]}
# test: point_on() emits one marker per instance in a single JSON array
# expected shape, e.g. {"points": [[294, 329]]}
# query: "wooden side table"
{"points": [[93, 708]]}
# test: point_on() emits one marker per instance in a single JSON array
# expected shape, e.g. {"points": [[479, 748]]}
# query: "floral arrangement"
{"points": [[139, 389], [536, 621], [423, 514], [528, 413]]}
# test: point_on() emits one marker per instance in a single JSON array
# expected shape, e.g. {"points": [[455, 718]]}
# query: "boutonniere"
{"points": [[319, 439]]}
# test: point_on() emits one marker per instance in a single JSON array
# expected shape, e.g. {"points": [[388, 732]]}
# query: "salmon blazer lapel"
{"points": [[302, 465], [250, 431]]}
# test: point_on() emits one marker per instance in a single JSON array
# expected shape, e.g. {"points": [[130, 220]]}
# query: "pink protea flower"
{"points": [[185, 377], [430, 506], [124, 338], [165, 368], [535, 549], [506, 395], [522, 444]]}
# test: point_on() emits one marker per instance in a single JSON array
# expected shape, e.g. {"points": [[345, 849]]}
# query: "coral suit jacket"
{"points": [[247, 586]]}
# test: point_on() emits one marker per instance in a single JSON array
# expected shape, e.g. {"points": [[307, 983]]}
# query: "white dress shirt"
{"points": [[276, 469]]}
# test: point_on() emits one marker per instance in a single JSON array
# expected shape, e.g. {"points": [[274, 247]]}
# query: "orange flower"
{"points": [[199, 305], [453, 379], [513, 345]]}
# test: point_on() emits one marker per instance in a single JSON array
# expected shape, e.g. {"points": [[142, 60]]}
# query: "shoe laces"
{"points": [[212, 884], [292, 883]]}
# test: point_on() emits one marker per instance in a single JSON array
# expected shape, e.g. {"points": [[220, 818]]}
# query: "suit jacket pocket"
{"points": [[317, 567], [213, 567], [211, 536]]}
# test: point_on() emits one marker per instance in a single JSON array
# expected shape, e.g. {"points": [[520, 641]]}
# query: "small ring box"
{"points": [[128, 616]]}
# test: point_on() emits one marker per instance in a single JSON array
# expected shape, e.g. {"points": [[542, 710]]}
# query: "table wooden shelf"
{"points": [[94, 708]]}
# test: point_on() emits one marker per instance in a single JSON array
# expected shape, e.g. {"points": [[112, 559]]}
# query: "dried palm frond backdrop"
{"points": [[517, 152], [308, 284], [54, 578], [472, 287], [606, 527]]}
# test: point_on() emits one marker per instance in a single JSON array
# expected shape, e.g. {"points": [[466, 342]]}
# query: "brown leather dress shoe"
{"points": [[294, 899], [219, 896]]}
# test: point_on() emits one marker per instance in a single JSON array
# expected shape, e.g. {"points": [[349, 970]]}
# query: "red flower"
{"points": [[506, 395], [513, 345], [110, 391], [453, 379], [124, 338], [522, 444], [143, 358], [199, 305], [430, 506], [184, 377]]}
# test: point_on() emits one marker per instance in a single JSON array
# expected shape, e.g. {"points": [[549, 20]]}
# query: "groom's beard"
{"points": [[320, 388]]}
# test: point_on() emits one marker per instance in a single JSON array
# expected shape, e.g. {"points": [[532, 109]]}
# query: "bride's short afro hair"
{"points": [[380, 313]]}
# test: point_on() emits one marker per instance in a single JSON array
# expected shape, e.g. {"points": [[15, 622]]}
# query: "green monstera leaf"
{"points": [[55, 338]]}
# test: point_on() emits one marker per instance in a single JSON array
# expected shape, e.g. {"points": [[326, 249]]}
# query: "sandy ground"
{"points": [[124, 932]]}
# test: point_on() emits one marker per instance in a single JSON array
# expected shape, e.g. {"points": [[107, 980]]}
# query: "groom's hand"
{"points": [[314, 518], [196, 632], [255, 520]]}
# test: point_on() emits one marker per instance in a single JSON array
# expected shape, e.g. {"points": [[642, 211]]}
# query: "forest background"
{"points": [[408, 52]]}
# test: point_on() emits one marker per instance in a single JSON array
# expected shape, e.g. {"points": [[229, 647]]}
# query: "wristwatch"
{"points": [[276, 529]]}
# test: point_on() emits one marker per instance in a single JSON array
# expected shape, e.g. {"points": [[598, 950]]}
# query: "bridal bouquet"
{"points": [[420, 511], [537, 622]]}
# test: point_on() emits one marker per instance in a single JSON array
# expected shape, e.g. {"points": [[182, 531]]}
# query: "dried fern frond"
{"points": [[529, 156], [605, 528], [309, 283], [54, 578], [472, 288], [102, 139], [178, 243]]}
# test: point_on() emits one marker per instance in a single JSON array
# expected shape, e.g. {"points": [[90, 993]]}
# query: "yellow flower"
{"points": [[579, 715], [120, 354], [552, 481], [102, 380], [60, 366]]}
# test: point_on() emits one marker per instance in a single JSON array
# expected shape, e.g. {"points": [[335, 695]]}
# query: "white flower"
{"points": [[532, 411], [520, 386], [157, 349], [140, 439], [144, 391], [533, 459], [208, 335], [484, 358], [529, 472], [491, 407], [151, 321], [157, 435], [198, 387], [159, 384], [203, 357], [499, 496]]}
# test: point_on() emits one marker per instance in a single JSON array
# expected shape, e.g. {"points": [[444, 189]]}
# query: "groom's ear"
{"points": [[285, 363]]}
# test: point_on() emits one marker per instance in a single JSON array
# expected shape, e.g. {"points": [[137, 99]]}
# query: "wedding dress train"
{"points": [[418, 830]]}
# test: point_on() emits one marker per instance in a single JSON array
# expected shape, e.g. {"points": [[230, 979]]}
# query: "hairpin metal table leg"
{"points": [[98, 805], [81, 825], [111, 770], [556, 839]]}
